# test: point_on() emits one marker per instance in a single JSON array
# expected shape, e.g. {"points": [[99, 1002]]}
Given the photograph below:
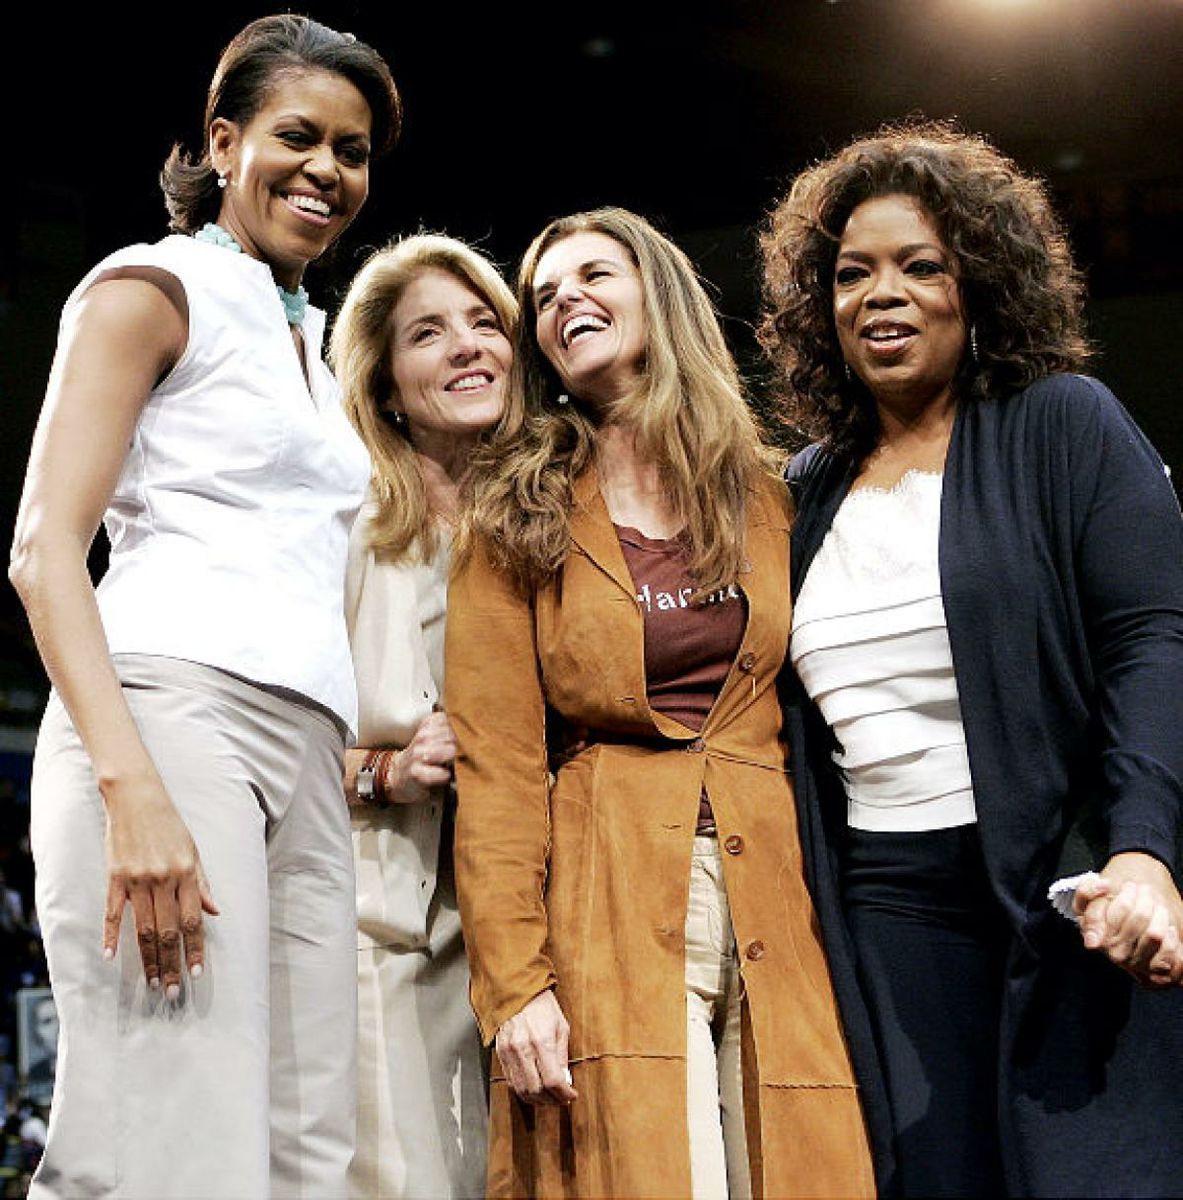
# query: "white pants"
{"points": [[244, 1087], [422, 1111], [714, 993]]}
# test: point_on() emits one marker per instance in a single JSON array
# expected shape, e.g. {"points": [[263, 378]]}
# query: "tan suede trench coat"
{"points": [[582, 885]]}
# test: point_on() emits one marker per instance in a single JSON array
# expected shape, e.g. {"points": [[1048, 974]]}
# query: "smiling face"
{"points": [[590, 315], [449, 360], [297, 173], [897, 303]]}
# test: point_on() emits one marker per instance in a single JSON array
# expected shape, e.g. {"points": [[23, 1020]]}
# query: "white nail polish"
{"points": [[172, 991], [154, 984], [568, 1077], [195, 971]]}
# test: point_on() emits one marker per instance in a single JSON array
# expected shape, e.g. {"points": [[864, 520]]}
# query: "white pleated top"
{"points": [[871, 647]]}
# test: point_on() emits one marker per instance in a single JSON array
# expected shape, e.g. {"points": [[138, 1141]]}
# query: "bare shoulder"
{"points": [[139, 311]]}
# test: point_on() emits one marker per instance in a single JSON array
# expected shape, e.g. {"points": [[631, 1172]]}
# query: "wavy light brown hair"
{"points": [[360, 350], [1022, 293], [687, 410]]}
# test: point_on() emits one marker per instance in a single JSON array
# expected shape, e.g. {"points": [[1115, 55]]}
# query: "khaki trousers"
{"points": [[244, 1087], [422, 1110], [714, 991]]}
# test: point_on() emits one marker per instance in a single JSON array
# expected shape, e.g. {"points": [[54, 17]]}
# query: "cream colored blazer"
{"points": [[395, 617]]}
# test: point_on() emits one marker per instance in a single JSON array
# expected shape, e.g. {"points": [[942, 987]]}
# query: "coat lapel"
{"points": [[764, 584], [593, 532]]}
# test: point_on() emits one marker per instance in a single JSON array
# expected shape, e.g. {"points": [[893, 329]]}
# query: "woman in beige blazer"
{"points": [[643, 948], [422, 350]]}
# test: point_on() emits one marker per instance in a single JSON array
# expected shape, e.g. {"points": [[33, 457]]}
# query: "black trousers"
{"points": [[931, 946]]}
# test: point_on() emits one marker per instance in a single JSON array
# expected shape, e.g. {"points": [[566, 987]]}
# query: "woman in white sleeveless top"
{"points": [[422, 348], [194, 880]]}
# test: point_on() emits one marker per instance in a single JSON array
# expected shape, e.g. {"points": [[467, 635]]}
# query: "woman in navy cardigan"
{"points": [[988, 650]]}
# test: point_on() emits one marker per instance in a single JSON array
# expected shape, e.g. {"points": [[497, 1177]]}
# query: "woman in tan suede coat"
{"points": [[585, 900]]}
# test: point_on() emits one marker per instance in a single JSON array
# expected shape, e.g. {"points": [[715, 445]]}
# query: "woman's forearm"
{"points": [[50, 576]]}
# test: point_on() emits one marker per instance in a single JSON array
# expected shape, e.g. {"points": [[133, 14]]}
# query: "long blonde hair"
{"points": [[360, 352], [688, 413]]}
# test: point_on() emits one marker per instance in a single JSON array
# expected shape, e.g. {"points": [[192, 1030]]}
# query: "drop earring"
{"points": [[973, 343], [847, 372], [221, 180], [562, 398]]}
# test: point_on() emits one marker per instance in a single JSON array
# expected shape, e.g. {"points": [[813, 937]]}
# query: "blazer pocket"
{"points": [[395, 854]]}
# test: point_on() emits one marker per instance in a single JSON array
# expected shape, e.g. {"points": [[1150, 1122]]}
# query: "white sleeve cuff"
{"points": [[1063, 892]]}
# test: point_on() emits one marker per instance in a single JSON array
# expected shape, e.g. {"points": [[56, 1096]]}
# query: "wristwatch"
{"points": [[365, 784]]}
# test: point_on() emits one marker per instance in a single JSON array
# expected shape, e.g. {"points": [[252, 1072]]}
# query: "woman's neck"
{"points": [[442, 465], [631, 484], [911, 438]]}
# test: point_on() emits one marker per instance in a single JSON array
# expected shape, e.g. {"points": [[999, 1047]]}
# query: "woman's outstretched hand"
{"points": [[532, 1047], [1133, 914], [153, 865]]}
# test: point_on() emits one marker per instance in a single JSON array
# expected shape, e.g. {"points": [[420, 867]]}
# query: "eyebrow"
{"points": [[904, 251], [584, 267], [299, 118], [439, 319], [308, 123]]}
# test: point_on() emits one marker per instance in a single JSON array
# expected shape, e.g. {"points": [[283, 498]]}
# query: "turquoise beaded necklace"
{"points": [[295, 304]]}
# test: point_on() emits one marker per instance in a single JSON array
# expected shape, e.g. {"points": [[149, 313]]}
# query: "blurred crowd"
{"points": [[22, 966]]}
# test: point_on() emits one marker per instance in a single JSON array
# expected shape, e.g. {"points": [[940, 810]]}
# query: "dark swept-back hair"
{"points": [[1021, 291], [248, 69]]}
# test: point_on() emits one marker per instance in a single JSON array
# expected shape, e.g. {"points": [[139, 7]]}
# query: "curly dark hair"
{"points": [[1021, 291], [248, 69]]}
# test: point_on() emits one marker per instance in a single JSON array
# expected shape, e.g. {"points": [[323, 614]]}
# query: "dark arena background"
{"points": [[695, 115]]}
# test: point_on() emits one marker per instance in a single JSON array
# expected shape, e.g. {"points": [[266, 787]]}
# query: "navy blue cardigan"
{"points": [[1061, 559]]}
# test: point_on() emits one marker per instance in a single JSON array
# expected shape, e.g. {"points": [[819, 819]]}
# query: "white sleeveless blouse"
{"points": [[230, 520], [872, 649]]}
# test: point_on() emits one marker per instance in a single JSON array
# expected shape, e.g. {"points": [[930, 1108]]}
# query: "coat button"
{"points": [[755, 950], [734, 844], [696, 747], [747, 662]]}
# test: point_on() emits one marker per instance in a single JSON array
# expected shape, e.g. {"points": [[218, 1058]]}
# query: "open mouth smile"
{"points": [[471, 381], [580, 325], [885, 338], [308, 207]]}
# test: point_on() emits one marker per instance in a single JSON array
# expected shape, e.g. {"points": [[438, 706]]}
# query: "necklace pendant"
{"points": [[295, 304]]}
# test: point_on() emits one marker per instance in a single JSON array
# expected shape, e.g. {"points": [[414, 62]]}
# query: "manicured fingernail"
{"points": [[172, 991], [108, 953], [567, 1076], [195, 971], [1092, 940], [154, 983]]}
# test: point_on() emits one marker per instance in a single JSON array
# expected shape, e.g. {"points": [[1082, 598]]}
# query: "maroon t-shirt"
{"points": [[689, 648]]}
